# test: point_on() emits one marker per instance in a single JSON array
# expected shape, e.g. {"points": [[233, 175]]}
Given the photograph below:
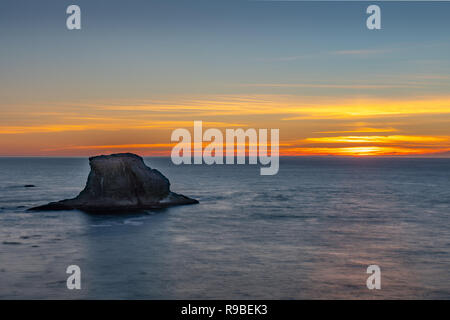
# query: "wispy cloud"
{"points": [[41, 129], [362, 52], [324, 124], [115, 124], [351, 52], [114, 146], [392, 139], [364, 151], [361, 130], [352, 86]]}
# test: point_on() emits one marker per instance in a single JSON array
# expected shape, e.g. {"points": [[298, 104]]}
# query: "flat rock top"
{"points": [[116, 156]]}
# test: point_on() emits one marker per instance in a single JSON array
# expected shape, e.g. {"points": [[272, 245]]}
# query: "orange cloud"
{"points": [[361, 151], [377, 139], [115, 125], [44, 128], [361, 130], [420, 124]]}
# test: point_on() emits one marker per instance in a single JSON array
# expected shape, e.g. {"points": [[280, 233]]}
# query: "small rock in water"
{"points": [[11, 242]]}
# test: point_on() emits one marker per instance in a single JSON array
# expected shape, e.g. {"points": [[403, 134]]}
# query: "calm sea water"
{"points": [[308, 232]]}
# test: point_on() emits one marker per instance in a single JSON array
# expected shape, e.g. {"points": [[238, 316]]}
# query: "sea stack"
{"points": [[121, 182]]}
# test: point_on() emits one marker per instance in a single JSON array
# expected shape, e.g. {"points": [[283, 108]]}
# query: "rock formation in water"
{"points": [[121, 182]]}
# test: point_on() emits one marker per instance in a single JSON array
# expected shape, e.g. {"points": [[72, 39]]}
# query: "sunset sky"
{"points": [[140, 69]]}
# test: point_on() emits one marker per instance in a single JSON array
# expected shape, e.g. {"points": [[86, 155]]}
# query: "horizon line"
{"points": [[417, 156]]}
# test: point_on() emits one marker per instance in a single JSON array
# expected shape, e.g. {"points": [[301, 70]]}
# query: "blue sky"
{"points": [[197, 46], [177, 52]]}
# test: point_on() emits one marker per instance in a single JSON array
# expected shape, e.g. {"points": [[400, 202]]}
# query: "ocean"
{"points": [[309, 232]]}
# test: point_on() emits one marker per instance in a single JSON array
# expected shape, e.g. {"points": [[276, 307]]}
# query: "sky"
{"points": [[137, 70]]}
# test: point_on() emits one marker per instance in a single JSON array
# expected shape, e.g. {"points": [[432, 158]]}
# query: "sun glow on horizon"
{"points": [[308, 126]]}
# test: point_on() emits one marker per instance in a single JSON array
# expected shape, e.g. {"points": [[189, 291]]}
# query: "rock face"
{"points": [[121, 182]]}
